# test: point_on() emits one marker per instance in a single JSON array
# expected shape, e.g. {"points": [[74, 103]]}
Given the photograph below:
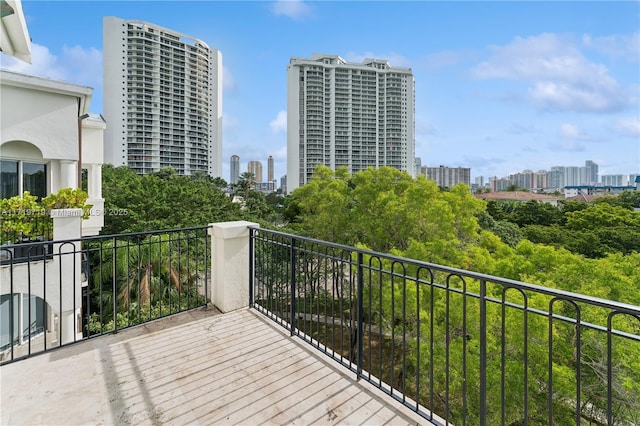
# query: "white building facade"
{"points": [[48, 138], [162, 99], [614, 180], [48, 141], [448, 176], [357, 115]]}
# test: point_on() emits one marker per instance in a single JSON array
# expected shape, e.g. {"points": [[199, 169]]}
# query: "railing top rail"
{"points": [[506, 282], [103, 237], [157, 231]]}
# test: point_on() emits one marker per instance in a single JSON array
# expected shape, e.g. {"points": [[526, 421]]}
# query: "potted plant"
{"points": [[68, 198], [26, 222]]}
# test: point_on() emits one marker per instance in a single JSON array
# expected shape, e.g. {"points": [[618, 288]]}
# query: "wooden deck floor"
{"points": [[196, 368]]}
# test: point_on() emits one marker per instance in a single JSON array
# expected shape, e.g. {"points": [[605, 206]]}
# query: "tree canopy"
{"points": [[162, 200]]}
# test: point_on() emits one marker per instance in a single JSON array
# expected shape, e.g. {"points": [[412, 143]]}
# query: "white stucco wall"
{"points": [[46, 120], [39, 120]]}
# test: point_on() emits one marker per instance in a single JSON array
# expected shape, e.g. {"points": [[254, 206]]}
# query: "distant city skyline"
{"points": [[500, 86]]}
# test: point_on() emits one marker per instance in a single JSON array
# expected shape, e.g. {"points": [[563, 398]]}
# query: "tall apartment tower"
{"points": [[234, 166], [357, 115], [255, 167], [270, 177], [162, 99]]}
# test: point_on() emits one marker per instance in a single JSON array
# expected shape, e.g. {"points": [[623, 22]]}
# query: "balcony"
{"points": [[310, 332], [199, 367]]}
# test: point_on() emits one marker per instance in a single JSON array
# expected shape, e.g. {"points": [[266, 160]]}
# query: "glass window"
{"points": [[19, 176], [34, 179], [8, 178]]}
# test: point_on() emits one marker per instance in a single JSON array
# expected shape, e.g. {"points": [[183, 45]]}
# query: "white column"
{"points": [[230, 264], [94, 183], [66, 297], [68, 174]]}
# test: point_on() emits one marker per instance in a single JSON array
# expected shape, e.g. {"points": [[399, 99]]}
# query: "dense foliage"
{"points": [[162, 200], [386, 210], [606, 226]]}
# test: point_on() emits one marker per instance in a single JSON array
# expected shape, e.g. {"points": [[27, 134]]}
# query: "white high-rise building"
{"points": [[357, 115], [162, 99]]}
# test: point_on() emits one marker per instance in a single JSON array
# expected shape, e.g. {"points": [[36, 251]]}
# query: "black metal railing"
{"points": [[456, 346], [61, 292], [21, 228]]}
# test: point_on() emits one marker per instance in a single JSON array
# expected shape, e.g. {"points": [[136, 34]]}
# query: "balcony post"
{"points": [[230, 264], [483, 354], [292, 280], [67, 225]]}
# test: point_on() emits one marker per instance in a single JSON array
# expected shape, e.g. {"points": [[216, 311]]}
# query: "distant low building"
{"points": [[614, 180], [520, 196], [447, 177], [572, 191], [266, 187]]}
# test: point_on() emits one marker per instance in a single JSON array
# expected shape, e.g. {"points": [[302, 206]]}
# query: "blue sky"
{"points": [[500, 86]]}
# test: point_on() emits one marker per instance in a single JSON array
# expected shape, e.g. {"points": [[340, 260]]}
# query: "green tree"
{"points": [[163, 200], [323, 205], [536, 213], [630, 198], [246, 182], [155, 270]]}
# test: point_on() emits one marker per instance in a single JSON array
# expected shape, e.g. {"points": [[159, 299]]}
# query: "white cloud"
{"points": [[294, 9], [628, 126], [279, 125], [77, 65], [559, 74], [626, 46], [572, 132]]}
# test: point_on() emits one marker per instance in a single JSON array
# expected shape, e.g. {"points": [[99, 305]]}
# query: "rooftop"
{"points": [[198, 367]]}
